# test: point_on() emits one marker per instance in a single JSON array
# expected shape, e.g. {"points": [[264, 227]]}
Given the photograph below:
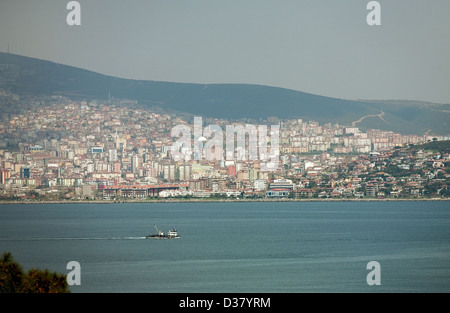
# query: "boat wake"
{"points": [[71, 238]]}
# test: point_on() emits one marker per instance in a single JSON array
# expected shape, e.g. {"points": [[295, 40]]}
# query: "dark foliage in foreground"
{"points": [[14, 280]]}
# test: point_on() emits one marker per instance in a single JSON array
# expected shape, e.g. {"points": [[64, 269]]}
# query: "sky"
{"points": [[322, 47]]}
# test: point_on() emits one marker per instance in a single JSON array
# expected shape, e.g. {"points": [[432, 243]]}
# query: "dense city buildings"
{"points": [[55, 148]]}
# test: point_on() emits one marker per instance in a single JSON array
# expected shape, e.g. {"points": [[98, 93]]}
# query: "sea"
{"points": [[237, 247]]}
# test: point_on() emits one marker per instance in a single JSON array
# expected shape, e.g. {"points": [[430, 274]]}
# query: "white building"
{"points": [[259, 184], [282, 184]]}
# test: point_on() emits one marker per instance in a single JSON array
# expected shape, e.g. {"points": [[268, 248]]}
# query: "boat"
{"points": [[171, 234]]}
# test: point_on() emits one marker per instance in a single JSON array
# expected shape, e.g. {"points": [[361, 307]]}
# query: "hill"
{"points": [[233, 101], [437, 146]]}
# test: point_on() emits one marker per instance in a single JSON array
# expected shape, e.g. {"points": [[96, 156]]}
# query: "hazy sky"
{"points": [[323, 47]]}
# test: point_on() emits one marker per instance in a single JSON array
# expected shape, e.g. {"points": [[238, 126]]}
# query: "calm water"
{"points": [[236, 247]]}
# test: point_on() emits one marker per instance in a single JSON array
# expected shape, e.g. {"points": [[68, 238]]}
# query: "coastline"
{"points": [[218, 200]]}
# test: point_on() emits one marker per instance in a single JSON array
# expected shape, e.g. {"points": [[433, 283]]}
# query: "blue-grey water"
{"points": [[236, 247]]}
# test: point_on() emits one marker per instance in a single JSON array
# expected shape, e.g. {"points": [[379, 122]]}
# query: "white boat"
{"points": [[171, 234]]}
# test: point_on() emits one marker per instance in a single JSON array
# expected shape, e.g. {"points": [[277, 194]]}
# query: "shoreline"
{"points": [[216, 200]]}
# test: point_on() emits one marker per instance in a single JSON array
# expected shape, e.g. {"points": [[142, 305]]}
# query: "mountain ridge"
{"points": [[22, 74]]}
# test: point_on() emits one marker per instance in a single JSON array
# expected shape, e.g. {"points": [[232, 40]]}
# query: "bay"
{"points": [[280, 247]]}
